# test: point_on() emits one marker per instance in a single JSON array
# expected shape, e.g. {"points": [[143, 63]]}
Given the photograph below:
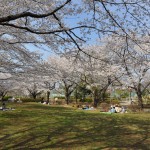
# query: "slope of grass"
{"points": [[36, 126]]}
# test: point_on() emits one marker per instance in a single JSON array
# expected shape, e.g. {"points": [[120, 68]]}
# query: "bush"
{"points": [[59, 97], [89, 100], [26, 99], [6, 98], [146, 99], [113, 101]]}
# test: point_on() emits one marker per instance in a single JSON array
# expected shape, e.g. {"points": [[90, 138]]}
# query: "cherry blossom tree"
{"points": [[50, 87], [33, 91], [8, 84], [134, 62], [3, 90], [65, 72]]}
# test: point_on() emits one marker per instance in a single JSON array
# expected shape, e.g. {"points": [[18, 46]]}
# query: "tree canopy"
{"points": [[96, 41]]}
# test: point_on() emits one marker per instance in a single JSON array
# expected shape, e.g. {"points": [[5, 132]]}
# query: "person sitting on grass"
{"points": [[85, 107], [3, 106], [123, 110], [112, 109], [118, 109]]}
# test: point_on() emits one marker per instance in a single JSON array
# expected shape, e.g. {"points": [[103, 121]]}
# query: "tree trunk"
{"points": [[96, 100], [68, 92], [102, 96], [67, 96], [34, 96], [140, 100], [76, 97], [139, 95], [48, 94], [2, 95], [67, 99]]}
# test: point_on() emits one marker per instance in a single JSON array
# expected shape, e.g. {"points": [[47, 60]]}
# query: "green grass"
{"points": [[41, 127]]}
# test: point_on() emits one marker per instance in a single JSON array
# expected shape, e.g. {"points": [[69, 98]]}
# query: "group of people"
{"points": [[117, 109], [4, 108]]}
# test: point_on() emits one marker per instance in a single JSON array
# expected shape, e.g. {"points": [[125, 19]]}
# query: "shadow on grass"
{"points": [[68, 129]]}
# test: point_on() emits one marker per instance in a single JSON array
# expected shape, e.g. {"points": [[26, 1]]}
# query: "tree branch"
{"points": [[29, 14]]}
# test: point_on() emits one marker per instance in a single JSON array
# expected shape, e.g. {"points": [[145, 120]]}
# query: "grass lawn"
{"points": [[40, 127]]}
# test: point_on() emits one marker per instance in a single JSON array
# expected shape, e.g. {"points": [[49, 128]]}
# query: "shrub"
{"points": [[59, 97], [26, 99], [146, 99], [113, 101], [6, 98], [89, 100]]}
